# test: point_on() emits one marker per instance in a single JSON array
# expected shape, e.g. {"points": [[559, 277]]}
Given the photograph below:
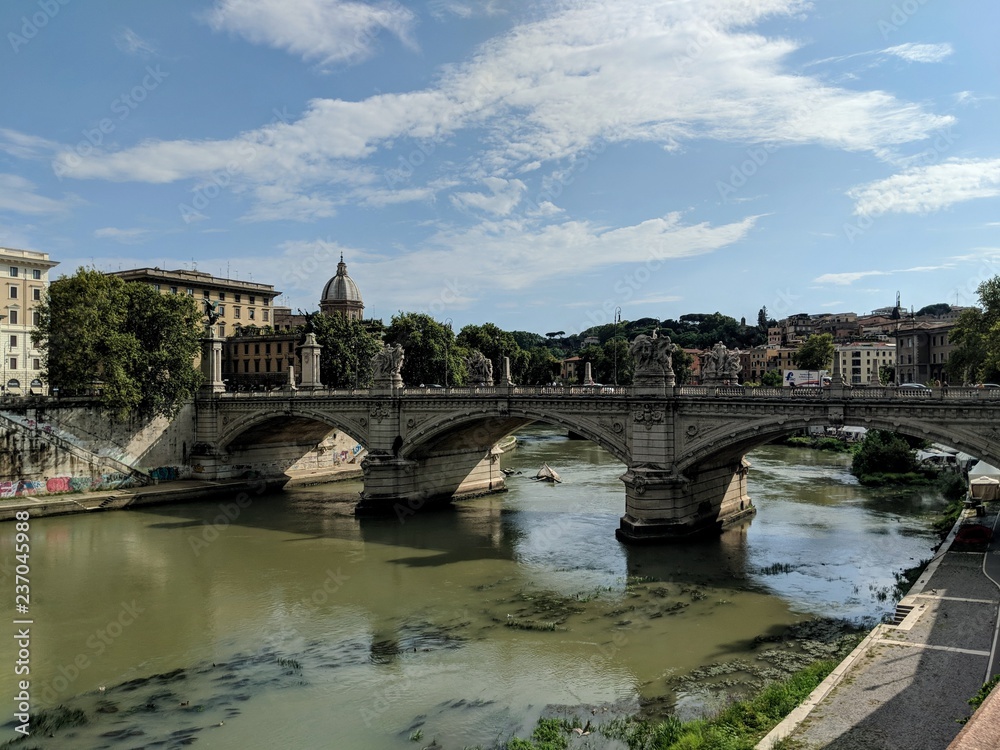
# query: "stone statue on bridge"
{"points": [[721, 366], [387, 366], [653, 357], [480, 368]]}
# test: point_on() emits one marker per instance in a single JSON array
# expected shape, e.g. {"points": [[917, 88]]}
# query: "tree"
{"points": [[939, 308], [816, 353], [542, 367], [976, 357], [762, 321], [883, 452], [886, 374], [348, 347], [495, 344], [427, 344], [123, 341], [771, 378]]}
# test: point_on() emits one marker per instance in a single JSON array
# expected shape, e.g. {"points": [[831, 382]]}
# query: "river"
{"points": [[295, 624]]}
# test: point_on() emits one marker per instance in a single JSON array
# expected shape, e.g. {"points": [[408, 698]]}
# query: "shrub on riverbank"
{"points": [[740, 726], [823, 443], [880, 453]]}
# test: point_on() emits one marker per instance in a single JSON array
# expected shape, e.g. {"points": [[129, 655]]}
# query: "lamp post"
{"points": [[3, 355], [614, 339], [447, 347]]}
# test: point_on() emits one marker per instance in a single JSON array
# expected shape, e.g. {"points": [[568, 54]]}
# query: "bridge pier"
{"points": [[401, 487], [661, 506]]}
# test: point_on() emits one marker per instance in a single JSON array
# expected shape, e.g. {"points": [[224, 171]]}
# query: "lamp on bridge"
{"points": [[614, 339], [447, 345]]}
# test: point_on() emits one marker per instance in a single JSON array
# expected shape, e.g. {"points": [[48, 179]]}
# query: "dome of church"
{"points": [[341, 294]]}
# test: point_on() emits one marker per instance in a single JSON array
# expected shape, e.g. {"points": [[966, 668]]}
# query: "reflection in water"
{"points": [[297, 622]]}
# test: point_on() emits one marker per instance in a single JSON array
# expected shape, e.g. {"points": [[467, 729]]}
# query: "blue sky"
{"points": [[530, 164]]}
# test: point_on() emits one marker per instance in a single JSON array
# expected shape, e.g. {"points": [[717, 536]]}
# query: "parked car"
{"points": [[914, 386], [989, 385]]}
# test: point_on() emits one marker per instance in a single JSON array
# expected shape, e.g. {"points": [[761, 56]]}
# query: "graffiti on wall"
{"points": [[52, 485]]}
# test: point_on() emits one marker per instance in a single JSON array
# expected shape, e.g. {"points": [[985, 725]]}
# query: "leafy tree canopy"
{"points": [[939, 308], [495, 344], [816, 353], [976, 357], [348, 346], [122, 340], [431, 351]]}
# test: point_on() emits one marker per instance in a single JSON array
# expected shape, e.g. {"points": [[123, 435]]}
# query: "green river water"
{"points": [[298, 625]]}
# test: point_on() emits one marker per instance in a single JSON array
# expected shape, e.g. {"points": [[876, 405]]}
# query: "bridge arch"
{"points": [[304, 424], [730, 444], [488, 427]]}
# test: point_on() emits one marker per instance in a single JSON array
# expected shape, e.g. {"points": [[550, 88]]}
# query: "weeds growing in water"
{"points": [[775, 569], [737, 727]]}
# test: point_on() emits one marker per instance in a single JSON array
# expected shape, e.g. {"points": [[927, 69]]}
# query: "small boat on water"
{"points": [[546, 473]]}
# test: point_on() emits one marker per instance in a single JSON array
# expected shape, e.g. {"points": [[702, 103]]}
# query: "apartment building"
{"points": [[26, 277], [860, 361]]}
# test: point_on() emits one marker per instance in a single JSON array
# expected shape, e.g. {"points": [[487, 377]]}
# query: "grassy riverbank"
{"points": [[740, 726]]}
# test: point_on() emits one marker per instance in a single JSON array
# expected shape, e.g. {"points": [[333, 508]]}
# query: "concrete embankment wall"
{"points": [[69, 446]]}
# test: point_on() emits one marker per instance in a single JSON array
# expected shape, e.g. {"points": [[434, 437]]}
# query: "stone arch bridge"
{"points": [[682, 446]]}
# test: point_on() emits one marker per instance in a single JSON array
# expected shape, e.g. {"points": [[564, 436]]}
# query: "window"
{"points": [[266, 302], [222, 330], [190, 292], [173, 290], [222, 309], [156, 287], [236, 313], [267, 365], [206, 294], [267, 348], [13, 272], [250, 313], [238, 297], [246, 365], [256, 348], [222, 296], [13, 365], [279, 348], [36, 318], [36, 274], [246, 348], [36, 364], [256, 365], [266, 318], [13, 292], [253, 300], [13, 317], [13, 341]]}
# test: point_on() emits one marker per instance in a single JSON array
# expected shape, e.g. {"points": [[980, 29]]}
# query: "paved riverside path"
{"points": [[906, 686]]}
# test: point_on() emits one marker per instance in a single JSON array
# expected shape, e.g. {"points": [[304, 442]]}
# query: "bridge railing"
{"points": [[878, 393]]}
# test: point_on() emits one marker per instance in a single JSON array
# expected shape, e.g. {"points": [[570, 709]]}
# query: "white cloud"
{"points": [[849, 277], [126, 236], [18, 195], [517, 256], [924, 53], [549, 90], [845, 278], [24, 146], [322, 31], [506, 194], [128, 41], [927, 189]]}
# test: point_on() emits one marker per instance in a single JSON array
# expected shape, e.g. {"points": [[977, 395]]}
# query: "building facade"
{"points": [[238, 304], [860, 362], [26, 277], [922, 352]]}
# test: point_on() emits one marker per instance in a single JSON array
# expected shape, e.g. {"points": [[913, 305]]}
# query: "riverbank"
{"points": [[179, 491], [908, 683]]}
